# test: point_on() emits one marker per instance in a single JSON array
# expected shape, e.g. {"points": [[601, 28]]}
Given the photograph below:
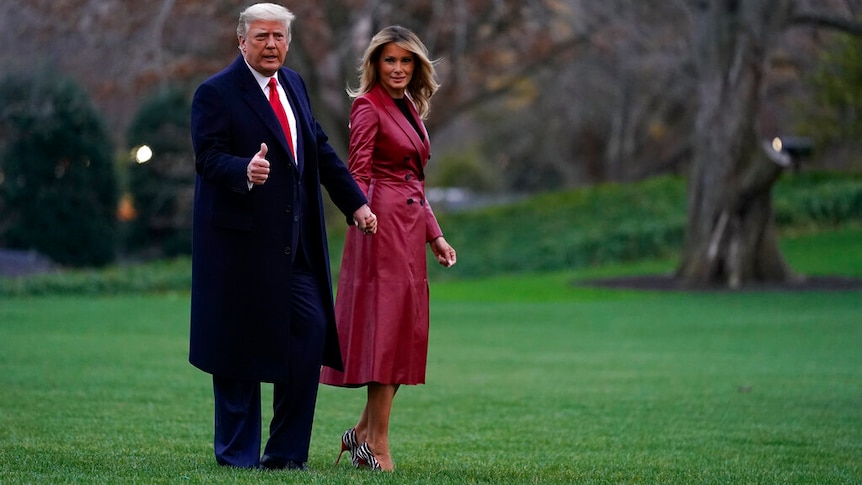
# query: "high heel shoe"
{"points": [[364, 457], [349, 444]]}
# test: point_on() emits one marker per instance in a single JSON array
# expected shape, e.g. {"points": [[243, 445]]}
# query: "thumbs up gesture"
{"points": [[257, 170]]}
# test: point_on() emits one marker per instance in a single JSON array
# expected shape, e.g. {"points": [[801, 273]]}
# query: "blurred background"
{"points": [[537, 96]]}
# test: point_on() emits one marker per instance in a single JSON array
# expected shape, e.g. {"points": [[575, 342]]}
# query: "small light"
{"points": [[143, 154], [776, 144]]}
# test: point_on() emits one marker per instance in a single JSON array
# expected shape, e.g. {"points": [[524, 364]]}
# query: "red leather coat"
{"points": [[382, 301]]}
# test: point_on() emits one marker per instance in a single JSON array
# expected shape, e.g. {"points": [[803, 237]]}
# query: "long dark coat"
{"points": [[244, 239], [382, 302]]}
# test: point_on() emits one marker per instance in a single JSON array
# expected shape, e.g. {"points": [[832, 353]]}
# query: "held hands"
{"points": [[365, 220], [444, 252], [258, 168]]}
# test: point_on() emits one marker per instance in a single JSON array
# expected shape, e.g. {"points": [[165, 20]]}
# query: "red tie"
{"points": [[279, 112]]}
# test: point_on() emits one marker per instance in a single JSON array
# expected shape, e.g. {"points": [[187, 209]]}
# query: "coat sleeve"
{"points": [[334, 176], [210, 129], [342, 189], [364, 124], [432, 228]]}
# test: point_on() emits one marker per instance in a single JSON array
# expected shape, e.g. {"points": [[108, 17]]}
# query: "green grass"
{"points": [[837, 252], [530, 380]]}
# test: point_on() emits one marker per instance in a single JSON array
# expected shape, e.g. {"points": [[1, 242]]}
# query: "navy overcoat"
{"points": [[244, 240]]}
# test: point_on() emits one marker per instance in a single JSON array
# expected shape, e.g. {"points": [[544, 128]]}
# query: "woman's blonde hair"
{"points": [[423, 83]]}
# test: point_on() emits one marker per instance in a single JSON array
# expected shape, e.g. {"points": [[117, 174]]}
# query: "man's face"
{"points": [[265, 46]]}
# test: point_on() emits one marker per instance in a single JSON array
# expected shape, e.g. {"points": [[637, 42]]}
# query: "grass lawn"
{"points": [[530, 380]]}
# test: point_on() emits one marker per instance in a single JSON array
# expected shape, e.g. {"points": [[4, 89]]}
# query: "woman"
{"points": [[382, 305]]}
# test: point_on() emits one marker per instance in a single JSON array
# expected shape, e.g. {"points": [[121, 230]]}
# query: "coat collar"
{"points": [[384, 99]]}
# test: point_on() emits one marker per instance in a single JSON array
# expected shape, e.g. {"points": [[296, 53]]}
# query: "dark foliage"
{"points": [[163, 187], [58, 189]]}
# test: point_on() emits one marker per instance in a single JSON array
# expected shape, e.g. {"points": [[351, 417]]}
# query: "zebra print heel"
{"points": [[364, 457], [349, 444]]}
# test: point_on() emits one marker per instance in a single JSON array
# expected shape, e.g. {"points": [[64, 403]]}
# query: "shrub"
{"points": [[163, 188], [570, 229], [817, 200], [58, 189]]}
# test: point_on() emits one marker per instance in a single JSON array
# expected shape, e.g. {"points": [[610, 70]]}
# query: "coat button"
{"points": [[288, 209], [409, 201], [295, 218], [422, 202], [407, 177], [407, 159], [287, 250]]}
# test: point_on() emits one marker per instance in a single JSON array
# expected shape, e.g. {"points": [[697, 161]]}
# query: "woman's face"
{"points": [[395, 69]]}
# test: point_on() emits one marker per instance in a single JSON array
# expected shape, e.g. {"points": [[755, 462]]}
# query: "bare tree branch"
{"points": [[845, 25]]}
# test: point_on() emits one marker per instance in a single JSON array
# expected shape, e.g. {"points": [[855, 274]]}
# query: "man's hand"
{"points": [[365, 220], [258, 168]]}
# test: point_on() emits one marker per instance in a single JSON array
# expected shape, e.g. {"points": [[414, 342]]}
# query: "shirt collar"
{"points": [[262, 80]]}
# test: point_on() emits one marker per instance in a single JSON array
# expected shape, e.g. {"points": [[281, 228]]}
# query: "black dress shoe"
{"points": [[269, 463], [295, 465]]}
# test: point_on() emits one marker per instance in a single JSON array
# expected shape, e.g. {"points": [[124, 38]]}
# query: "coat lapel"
{"points": [[255, 98], [422, 147], [300, 116]]}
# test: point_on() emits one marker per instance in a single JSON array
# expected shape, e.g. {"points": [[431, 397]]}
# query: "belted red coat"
{"points": [[382, 301]]}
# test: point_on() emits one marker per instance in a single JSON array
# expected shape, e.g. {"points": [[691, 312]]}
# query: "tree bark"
{"points": [[730, 235]]}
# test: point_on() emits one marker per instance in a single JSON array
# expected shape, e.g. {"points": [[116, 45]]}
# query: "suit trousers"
{"points": [[238, 401]]}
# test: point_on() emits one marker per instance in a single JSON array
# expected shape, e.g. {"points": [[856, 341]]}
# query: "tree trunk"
{"points": [[730, 235]]}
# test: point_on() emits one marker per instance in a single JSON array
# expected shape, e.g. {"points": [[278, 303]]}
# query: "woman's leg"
{"points": [[373, 426]]}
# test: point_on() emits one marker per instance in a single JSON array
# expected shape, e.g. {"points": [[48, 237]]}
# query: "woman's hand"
{"points": [[444, 252], [365, 220]]}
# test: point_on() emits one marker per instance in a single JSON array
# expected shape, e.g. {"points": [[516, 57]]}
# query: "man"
{"points": [[261, 304]]}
